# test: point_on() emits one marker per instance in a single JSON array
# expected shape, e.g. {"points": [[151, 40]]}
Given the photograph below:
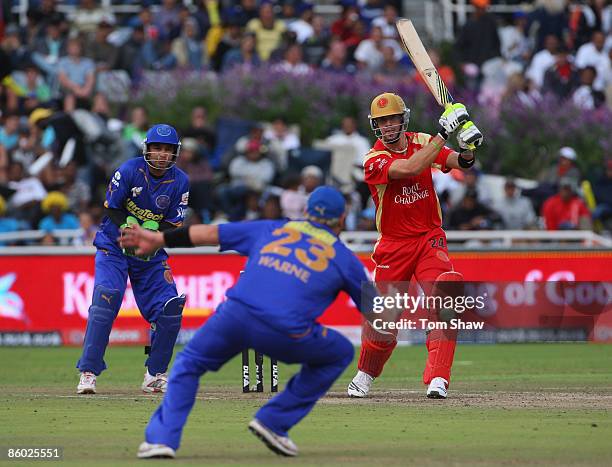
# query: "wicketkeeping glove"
{"points": [[452, 118], [469, 136], [129, 222], [154, 226]]}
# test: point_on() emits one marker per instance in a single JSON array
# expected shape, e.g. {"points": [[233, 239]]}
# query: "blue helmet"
{"points": [[161, 133]]}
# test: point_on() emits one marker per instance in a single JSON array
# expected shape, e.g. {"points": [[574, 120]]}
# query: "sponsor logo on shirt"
{"points": [[410, 194], [185, 199], [162, 201], [140, 213], [136, 191]]}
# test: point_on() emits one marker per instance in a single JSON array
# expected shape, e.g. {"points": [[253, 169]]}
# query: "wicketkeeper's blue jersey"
{"points": [[294, 271], [134, 190]]}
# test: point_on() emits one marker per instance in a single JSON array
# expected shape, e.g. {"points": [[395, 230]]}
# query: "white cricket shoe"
{"points": [[437, 388], [157, 383], [281, 445], [360, 386], [155, 451], [87, 383]]}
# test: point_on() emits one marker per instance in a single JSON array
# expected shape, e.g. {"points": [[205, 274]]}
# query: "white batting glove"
{"points": [[469, 136], [452, 118]]}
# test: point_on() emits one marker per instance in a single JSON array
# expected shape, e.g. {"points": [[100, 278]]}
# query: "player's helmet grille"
{"points": [[387, 104], [165, 134]]}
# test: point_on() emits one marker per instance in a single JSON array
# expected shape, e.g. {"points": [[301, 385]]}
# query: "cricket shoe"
{"points": [[87, 383], [155, 451], [281, 445], [361, 384], [157, 383], [437, 388]]}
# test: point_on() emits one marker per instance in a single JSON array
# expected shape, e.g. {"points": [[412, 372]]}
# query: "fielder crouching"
{"points": [[294, 272]]}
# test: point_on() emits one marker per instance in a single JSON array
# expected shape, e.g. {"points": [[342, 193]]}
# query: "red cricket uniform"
{"points": [[411, 243]]}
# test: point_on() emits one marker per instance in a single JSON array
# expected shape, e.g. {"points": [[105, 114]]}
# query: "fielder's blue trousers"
{"points": [[323, 353]]}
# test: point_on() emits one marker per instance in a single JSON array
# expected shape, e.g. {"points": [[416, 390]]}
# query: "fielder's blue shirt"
{"points": [[294, 271], [135, 191]]}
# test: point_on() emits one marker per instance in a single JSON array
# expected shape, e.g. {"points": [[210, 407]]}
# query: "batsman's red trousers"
{"points": [[425, 258]]}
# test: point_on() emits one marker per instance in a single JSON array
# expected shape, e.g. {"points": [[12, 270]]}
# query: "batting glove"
{"points": [[469, 136], [452, 118]]}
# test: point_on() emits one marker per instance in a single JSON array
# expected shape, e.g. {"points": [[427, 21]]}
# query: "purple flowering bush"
{"points": [[519, 140]]}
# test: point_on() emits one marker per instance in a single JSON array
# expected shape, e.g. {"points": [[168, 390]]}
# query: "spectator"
{"points": [[268, 31], [387, 22], [344, 27], [270, 208], [602, 189], [591, 16], [542, 61], [472, 215], [293, 62], [29, 192], [87, 16], [514, 42], [251, 172], [201, 131], [372, 9], [229, 41], [47, 50], [11, 44], [478, 40], [548, 18], [471, 183], [348, 135], [89, 228], [135, 53], [336, 60], [55, 205], [9, 132], [245, 56], [45, 14], [168, 19], [76, 76], [200, 173], [293, 197], [586, 96], [135, 130], [564, 168], [7, 223], [301, 25], [562, 78], [393, 70], [162, 58], [104, 54], [521, 90], [241, 13], [369, 54], [312, 177], [281, 141], [27, 90], [188, 48], [516, 211], [316, 45], [78, 193], [565, 210], [593, 54]]}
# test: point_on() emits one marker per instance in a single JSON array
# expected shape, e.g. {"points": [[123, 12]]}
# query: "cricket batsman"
{"points": [[150, 192], [408, 218], [294, 272]]}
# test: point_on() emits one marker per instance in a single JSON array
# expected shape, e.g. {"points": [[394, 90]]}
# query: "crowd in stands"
{"points": [[66, 121]]}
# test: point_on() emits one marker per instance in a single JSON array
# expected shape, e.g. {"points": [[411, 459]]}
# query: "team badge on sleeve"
{"points": [[185, 199]]}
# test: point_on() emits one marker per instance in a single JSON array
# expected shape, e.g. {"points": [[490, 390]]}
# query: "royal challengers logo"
{"points": [[382, 102]]}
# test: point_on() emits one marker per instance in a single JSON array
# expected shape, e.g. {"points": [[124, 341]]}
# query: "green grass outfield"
{"points": [[544, 404]]}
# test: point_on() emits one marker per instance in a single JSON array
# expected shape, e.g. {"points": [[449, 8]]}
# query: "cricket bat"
{"points": [[417, 53], [422, 62]]}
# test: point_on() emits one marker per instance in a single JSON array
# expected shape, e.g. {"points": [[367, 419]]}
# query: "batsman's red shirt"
{"points": [[406, 207]]}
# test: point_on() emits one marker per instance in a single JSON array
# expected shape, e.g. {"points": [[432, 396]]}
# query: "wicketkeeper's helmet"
{"points": [[387, 104], [165, 134]]}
